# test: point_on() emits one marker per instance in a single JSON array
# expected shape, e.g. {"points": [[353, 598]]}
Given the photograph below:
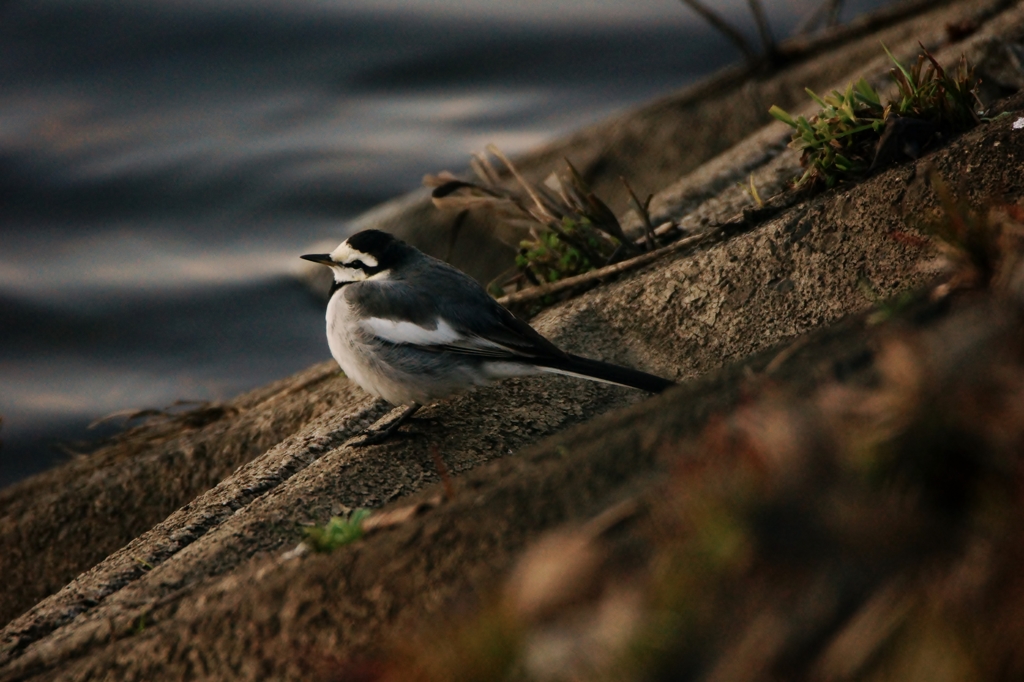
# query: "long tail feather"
{"points": [[595, 370]]}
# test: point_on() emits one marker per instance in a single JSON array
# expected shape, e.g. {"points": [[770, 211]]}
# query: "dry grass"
{"points": [[569, 230]]}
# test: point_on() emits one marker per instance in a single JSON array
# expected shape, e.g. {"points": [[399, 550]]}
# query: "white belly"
{"points": [[353, 356]]}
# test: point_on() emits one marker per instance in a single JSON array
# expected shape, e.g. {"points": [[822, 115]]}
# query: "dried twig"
{"points": [[802, 45], [723, 27], [763, 29], [643, 212], [534, 293], [197, 412], [442, 471], [393, 518], [824, 15], [834, 7], [543, 210], [813, 20], [785, 354]]}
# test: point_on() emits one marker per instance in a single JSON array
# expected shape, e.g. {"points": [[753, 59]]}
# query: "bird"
{"points": [[412, 329]]}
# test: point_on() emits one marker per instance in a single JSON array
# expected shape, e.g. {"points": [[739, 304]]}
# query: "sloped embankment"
{"points": [[298, 616], [121, 491], [197, 592]]}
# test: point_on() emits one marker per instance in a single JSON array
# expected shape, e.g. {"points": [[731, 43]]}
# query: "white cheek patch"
{"points": [[346, 254], [343, 274], [394, 331]]}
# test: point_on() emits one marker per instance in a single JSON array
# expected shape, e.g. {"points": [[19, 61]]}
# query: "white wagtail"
{"points": [[411, 329]]}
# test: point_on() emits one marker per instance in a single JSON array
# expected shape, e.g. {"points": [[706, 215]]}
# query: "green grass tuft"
{"points": [[854, 131], [339, 531], [549, 257]]}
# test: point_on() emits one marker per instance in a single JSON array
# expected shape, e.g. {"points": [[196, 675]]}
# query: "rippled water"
{"points": [[164, 162]]}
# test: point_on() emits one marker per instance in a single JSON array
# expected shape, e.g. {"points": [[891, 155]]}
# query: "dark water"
{"points": [[164, 162]]}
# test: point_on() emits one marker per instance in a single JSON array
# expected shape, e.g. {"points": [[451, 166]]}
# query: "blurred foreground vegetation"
{"points": [[870, 529]]}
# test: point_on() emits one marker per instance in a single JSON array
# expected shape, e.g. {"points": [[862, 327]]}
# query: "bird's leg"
{"points": [[381, 435]]}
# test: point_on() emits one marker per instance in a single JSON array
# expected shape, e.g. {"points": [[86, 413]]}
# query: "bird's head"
{"points": [[363, 255]]}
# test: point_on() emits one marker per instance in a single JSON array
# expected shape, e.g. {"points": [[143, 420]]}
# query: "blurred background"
{"points": [[163, 163]]}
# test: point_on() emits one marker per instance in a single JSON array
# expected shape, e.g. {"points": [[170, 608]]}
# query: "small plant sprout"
{"points": [[884, 309], [339, 531], [854, 132], [754, 193]]}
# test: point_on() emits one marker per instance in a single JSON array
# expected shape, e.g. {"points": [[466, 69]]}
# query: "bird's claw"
{"points": [[374, 437]]}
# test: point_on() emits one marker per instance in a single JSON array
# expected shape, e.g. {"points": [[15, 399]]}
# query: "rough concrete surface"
{"points": [[39, 565], [59, 523], [196, 518]]}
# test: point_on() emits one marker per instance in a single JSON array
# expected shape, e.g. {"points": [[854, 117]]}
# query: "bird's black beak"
{"points": [[322, 258]]}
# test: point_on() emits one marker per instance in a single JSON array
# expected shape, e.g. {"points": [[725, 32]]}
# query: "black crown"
{"points": [[373, 242]]}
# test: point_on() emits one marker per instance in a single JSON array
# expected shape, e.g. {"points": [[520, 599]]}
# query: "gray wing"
{"points": [[456, 316]]}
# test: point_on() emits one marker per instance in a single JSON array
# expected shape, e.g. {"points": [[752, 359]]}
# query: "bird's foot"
{"points": [[378, 436]]}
